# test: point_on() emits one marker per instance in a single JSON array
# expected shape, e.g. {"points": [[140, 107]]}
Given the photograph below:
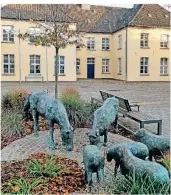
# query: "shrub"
{"points": [[79, 111], [135, 184], [166, 162], [11, 123], [50, 169], [14, 99]]}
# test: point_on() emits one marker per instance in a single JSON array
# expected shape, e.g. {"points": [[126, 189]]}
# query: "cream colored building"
{"points": [[124, 44]]}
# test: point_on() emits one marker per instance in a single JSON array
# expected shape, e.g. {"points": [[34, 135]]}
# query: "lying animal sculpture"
{"points": [[139, 150], [54, 111], [131, 164], [155, 143], [93, 160], [104, 116]]}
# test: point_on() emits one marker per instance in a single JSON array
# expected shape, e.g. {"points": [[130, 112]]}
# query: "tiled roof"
{"points": [[99, 19]]}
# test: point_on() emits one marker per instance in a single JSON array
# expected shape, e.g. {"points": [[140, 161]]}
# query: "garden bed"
{"points": [[27, 176]]}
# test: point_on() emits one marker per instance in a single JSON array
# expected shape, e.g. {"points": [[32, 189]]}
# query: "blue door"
{"points": [[90, 68]]}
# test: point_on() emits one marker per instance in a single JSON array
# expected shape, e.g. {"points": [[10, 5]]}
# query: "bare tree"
{"points": [[55, 31]]}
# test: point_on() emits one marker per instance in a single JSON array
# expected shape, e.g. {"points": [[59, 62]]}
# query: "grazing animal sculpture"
{"points": [[138, 149], [93, 160], [155, 143], [54, 111], [104, 116], [131, 164]]}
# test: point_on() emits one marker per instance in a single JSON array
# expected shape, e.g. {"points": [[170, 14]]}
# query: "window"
{"points": [[105, 65], [77, 65], [8, 64], [34, 64], [120, 42], [61, 64], [163, 65], [91, 43], [90, 60], [144, 40], [8, 33], [144, 65], [105, 44], [119, 65], [164, 41], [33, 32]]}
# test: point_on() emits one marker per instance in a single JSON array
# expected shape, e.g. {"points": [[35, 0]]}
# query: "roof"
{"points": [[98, 19]]}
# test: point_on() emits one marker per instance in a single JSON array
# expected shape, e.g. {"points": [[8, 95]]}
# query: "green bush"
{"points": [[14, 99], [135, 184], [50, 169], [166, 162], [79, 111], [11, 123]]}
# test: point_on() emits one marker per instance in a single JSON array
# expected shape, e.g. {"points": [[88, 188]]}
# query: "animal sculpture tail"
{"points": [[27, 104]]}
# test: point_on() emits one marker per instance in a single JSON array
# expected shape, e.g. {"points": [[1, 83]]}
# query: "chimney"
{"points": [[85, 6], [135, 6]]}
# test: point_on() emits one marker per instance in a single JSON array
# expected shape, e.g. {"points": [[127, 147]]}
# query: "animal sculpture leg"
{"points": [[89, 177], [116, 125], [116, 167], [35, 116], [52, 143], [100, 174], [105, 138]]}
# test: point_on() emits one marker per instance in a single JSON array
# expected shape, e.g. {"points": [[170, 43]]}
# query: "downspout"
{"points": [[19, 51], [126, 54]]}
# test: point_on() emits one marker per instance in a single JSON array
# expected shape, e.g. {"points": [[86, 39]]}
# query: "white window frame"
{"points": [[91, 44], [78, 65], [163, 66], [35, 64], [61, 65], [9, 63], [119, 65], [105, 65], [9, 33], [145, 65], [144, 40], [105, 44], [33, 32], [164, 41], [90, 60], [120, 42]]}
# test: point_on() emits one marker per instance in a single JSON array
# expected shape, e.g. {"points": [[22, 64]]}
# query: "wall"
{"points": [[98, 54], [154, 53], [29, 49]]}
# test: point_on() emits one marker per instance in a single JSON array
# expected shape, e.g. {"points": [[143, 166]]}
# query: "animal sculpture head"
{"points": [[67, 138], [140, 133], [94, 138]]}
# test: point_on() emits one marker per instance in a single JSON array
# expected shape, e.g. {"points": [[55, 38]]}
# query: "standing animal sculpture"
{"points": [[155, 143], [131, 164], [93, 160], [139, 150], [54, 111], [104, 116]]}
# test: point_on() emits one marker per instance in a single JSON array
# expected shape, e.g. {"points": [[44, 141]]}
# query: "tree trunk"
{"points": [[56, 73]]}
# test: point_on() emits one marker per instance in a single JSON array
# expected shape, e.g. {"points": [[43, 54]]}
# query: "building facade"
{"points": [[123, 44]]}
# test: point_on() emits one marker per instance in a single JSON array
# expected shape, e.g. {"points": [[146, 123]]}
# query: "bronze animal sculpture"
{"points": [[104, 116], [138, 149], [54, 111], [93, 160]]}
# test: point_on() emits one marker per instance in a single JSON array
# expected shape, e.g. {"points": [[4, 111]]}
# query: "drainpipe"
{"points": [[126, 54], [19, 53]]}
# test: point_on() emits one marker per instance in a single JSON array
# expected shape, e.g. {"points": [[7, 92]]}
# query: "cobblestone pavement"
{"points": [[154, 96], [22, 148]]}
